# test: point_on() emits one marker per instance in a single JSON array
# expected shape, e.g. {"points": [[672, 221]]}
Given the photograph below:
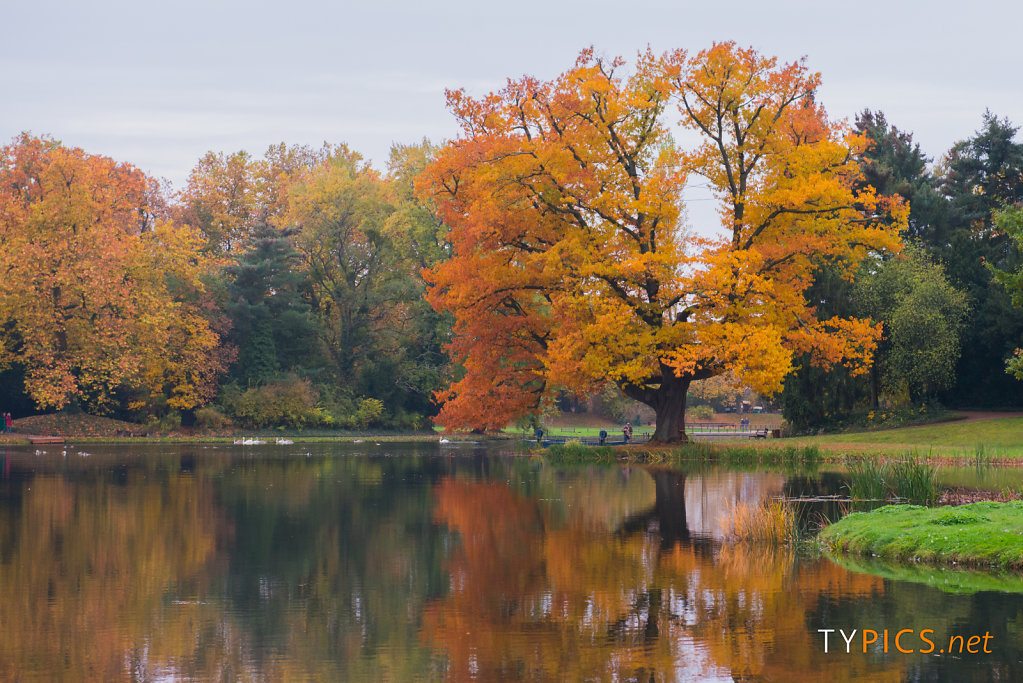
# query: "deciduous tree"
{"points": [[923, 317], [572, 266], [97, 294]]}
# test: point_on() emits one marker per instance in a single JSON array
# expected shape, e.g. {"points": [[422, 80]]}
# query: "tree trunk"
{"points": [[669, 403], [670, 408]]}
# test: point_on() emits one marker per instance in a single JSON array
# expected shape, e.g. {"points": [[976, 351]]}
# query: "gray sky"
{"points": [[160, 83]]}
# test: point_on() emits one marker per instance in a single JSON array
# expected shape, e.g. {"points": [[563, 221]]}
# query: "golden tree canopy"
{"points": [[572, 265]]}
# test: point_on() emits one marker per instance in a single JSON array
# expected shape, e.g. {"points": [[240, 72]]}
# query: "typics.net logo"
{"points": [[907, 641]]}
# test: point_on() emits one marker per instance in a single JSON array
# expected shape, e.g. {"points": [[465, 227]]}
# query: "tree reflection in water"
{"points": [[532, 598], [369, 567]]}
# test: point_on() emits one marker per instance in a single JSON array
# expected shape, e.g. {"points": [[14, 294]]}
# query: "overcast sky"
{"points": [[160, 83]]}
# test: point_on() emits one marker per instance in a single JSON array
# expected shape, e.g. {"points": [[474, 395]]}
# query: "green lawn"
{"points": [[990, 439], [591, 432]]}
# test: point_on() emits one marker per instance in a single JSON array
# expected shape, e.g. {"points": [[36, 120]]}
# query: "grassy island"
{"points": [[978, 534]]}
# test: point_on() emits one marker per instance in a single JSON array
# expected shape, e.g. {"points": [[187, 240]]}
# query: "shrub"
{"points": [[704, 412], [209, 417], [289, 403], [167, 423]]}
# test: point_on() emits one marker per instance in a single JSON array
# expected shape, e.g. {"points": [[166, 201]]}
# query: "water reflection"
{"points": [[410, 563], [539, 601]]}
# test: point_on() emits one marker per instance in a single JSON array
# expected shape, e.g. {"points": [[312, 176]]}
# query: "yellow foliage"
{"points": [[571, 267]]}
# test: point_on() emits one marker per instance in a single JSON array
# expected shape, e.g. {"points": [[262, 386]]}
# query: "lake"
{"points": [[414, 562]]}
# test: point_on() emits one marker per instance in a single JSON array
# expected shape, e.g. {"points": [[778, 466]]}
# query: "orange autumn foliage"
{"points": [[98, 293], [573, 266]]}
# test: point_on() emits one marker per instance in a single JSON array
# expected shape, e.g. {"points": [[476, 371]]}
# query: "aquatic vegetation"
{"points": [[912, 479], [773, 522], [574, 452]]}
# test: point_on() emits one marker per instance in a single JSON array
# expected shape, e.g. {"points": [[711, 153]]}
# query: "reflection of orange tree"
{"points": [[530, 601], [754, 604], [85, 568]]}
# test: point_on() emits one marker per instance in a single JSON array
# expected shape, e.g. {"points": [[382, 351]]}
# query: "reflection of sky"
{"points": [[158, 84], [709, 497]]}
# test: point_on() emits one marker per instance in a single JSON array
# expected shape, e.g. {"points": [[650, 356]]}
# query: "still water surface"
{"points": [[418, 562]]}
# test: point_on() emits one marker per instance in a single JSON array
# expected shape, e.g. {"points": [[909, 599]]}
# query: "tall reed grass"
{"points": [[911, 479], [575, 453], [771, 522]]}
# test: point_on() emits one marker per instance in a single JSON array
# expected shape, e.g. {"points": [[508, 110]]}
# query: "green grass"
{"points": [[978, 439], [613, 432], [908, 479], [914, 480], [574, 454], [978, 534], [866, 479]]}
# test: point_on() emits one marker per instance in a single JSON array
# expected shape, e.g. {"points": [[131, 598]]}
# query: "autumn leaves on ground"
{"points": [[542, 254]]}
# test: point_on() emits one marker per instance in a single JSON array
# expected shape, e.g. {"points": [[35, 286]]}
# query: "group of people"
{"points": [[7, 424]]}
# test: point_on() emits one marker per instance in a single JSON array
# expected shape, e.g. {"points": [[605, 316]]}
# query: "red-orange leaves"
{"points": [[571, 267]]}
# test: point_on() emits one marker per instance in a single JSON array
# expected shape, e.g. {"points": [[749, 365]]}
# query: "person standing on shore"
{"points": [[8, 423]]}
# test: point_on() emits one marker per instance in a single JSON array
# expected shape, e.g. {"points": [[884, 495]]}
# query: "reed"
{"points": [[771, 522], [910, 479], [866, 478], [574, 453], [913, 480]]}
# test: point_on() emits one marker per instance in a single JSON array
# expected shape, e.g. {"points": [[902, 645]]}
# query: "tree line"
{"points": [[542, 252], [951, 325], [284, 290]]}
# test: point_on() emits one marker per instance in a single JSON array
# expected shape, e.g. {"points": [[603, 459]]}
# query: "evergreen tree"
{"points": [[982, 174], [273, 326]]}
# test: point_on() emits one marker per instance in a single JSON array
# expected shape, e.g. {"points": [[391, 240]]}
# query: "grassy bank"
{"points": [[994, 439], [778, 454], [978, 534]]}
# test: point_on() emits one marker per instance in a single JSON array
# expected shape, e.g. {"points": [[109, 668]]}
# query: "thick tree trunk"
{"points": [[670, 408], [669, 403]]}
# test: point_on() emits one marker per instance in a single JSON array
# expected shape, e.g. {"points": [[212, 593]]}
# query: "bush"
{"points": [[167, 423], [355, 413], [210, 417], [703, 412], [290, 403]]}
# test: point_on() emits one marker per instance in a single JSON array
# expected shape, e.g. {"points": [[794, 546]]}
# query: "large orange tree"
{"points": [[573, 265]]}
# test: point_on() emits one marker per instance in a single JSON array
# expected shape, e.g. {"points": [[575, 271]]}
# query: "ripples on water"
{"points": [[407, 563]]}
